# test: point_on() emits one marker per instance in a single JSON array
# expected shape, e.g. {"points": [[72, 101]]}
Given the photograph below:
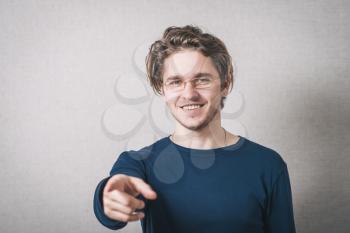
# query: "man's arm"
{"points": [[279, 214], [99, 212], [127, 165]]}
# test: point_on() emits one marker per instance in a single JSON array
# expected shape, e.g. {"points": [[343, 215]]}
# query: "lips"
{"points": [[191, 104]]}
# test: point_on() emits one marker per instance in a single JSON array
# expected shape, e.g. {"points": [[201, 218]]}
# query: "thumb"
{"points": [[143, 188]]}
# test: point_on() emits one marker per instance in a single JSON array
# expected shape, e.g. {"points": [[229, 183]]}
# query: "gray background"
{"points": [[59, 61]]}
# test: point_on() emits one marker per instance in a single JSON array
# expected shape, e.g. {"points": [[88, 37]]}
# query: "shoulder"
{"points": [[265, 162], [146, 152], [264, 155], [135, 162]]}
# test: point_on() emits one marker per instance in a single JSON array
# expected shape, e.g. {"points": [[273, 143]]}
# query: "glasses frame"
{"points": [[171, 81]]}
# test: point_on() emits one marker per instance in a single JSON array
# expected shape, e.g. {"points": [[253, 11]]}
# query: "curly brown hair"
{"points": [[188, 37]]}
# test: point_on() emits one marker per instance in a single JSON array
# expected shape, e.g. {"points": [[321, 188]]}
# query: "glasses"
{"points": [[197, 83]]}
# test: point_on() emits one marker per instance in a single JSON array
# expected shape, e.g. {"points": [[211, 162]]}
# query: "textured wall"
{"points": [[67, 109]]}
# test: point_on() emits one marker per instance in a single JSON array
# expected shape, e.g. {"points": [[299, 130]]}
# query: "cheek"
{"points": [[211, 96], [170, 98]]}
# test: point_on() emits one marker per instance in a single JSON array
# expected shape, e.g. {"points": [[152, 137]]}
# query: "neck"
{"points": [[206, 138]]}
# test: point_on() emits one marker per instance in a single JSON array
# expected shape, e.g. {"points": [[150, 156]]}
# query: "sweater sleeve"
{"points": [[127, 164], [279, 214]]}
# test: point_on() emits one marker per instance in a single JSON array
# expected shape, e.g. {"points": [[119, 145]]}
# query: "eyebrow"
{"points": [[198, 75]]}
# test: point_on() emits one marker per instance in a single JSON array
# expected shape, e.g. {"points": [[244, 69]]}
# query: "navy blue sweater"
{"points": [[240, 188]]}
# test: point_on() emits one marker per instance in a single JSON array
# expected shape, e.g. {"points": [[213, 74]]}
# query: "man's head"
{"points": [[188, 66], [188, 37]]}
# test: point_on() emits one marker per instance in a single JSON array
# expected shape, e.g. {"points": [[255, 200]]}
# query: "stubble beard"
{"points": [[211, 115]]}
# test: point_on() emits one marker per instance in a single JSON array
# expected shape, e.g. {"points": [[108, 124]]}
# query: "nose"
{"points": [[189, 92]]}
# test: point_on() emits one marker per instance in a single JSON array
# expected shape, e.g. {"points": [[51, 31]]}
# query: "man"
{"points": [[200, 178]]}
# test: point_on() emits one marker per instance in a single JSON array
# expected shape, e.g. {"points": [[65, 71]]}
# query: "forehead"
{"points": [[187, 63]]}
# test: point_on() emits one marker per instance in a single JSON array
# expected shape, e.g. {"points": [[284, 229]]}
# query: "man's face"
{"points": [[195, 105]]}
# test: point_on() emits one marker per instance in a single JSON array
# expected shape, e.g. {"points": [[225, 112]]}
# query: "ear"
{"points": [[224, 90], [161, 92]]}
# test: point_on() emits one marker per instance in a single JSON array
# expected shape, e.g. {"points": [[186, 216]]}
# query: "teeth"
{"points": [[190, 107]]}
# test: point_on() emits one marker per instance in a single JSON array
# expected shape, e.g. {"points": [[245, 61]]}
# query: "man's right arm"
{"points": [[118, 197], [99, 211]]}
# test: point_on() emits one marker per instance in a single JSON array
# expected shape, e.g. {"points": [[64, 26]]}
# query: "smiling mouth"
{"points": [[191, 106]]}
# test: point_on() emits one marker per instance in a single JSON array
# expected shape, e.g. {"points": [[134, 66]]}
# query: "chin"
{"points": [[194, 123]]}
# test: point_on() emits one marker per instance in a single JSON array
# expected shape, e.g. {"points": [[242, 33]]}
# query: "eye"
{"points": [[174, 83], [202, 81]]}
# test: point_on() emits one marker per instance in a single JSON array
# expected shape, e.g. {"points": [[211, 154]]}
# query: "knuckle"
{"points": [[130, 210], [124, 218], [107, 211], [117, 216], [128, 202], [113, 193], [134, 178], [142, 205], [104, 200]]}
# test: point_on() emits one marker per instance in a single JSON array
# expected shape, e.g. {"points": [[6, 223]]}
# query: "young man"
{"points": [[200, 178]]}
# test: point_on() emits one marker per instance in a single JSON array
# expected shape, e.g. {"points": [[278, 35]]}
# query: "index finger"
{"points": [[142, 187]]}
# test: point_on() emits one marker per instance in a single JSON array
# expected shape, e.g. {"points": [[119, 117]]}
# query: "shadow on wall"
{"points": [[323, 148]]}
